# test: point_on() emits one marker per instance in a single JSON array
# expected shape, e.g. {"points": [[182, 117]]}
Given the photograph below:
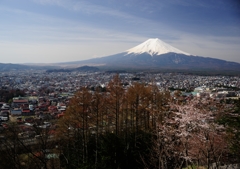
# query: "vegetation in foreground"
{"points": [[137, 127]]}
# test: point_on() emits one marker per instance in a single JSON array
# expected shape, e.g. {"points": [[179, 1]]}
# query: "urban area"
{"points": [[50, 92], [40, 99]]}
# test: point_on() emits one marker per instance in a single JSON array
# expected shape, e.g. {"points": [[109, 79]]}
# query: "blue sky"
{"points": [[47, 31]]}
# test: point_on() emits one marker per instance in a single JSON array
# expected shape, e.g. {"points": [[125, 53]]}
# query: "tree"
{"points": [[115, 100], [74, 128], [190, 136], [97, 106], [159, 105], [20, 149], [231, 120], [138, 96]]}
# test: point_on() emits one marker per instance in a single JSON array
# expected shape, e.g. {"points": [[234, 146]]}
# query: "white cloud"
{"points": [[47, 38]]}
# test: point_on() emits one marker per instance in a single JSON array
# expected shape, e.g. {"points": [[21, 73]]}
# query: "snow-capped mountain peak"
{"points": [[154, 47]]}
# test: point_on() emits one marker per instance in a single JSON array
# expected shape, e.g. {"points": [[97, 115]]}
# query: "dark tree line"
{"points": [[142, 127], [111, 129], [134, 127], [7, 95]]}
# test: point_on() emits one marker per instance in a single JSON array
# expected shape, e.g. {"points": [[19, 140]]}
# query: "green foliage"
{"points": [[232, 122], [6, 95]]}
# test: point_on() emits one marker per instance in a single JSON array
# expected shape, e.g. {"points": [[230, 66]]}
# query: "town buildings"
{"points": [[50, 92]]}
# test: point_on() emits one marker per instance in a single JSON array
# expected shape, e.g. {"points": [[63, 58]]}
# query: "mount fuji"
{"points": [[154, 47], [156, 54]]}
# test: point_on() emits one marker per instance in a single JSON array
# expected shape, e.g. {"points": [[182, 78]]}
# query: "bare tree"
{"points": [[115, 100], [74, 126], [97, 106]]}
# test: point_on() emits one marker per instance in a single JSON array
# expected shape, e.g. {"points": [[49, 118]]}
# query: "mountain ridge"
{"points": [[151, 54], [156, 54]]}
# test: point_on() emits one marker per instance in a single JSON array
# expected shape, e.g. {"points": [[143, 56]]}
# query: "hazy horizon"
{"points": [[50, 31]]}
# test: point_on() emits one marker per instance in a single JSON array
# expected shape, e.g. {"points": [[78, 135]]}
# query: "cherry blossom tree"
{"points": [[188, 135]]}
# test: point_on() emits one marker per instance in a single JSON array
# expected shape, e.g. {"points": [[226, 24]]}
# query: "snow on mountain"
{"points": [[154, 47], [155, 54]]}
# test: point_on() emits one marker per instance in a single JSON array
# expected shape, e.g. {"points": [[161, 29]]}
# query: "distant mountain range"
{"points": [[19, 67], [152, 54], [156, 54], [9, 66], [78, 69]]}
